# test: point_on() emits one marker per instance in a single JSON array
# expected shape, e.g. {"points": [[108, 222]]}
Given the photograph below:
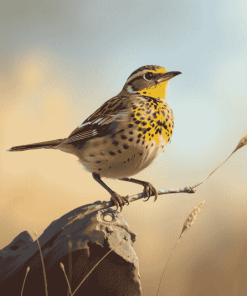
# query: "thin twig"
{"points": [[25, 280], [108, 204], [186, 189], [141, 195], [43, 264]]}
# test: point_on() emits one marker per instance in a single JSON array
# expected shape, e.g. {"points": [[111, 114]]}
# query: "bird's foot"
{"points": [[150, 190], [119, 201]]}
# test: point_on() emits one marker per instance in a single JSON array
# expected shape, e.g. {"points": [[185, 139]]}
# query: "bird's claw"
{"points": [[119, 201], [150, 190]]}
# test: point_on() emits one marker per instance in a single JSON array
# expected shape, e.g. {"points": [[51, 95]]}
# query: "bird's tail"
{"points": [[47, 145]]}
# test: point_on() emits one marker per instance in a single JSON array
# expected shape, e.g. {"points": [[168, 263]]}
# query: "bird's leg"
{"points": [[149, 189], [118, 200]]}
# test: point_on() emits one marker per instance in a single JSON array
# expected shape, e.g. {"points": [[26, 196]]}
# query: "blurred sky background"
{"points": [[60, 60]]}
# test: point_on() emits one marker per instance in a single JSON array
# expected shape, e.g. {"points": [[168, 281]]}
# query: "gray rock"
{"points": [[79, 240]]}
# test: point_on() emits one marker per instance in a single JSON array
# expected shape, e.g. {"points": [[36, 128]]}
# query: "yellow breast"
{"points": [[153, 119]]}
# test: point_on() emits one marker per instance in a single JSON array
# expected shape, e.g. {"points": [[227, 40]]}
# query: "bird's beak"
{"points": [[167, 76]]}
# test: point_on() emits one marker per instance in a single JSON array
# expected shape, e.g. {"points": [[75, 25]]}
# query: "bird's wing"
{"points": [[101, 122]]}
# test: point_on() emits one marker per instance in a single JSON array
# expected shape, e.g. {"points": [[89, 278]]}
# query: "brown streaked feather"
{"points": [[98, 124]]}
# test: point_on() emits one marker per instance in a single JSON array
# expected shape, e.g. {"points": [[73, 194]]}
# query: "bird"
{"points": [[125, 135]]}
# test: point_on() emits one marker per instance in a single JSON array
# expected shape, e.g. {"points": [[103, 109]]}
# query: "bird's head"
{"points": [[149, 81]]}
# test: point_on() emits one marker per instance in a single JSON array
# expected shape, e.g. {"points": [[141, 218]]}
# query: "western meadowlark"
{"points": [[126, 134]]}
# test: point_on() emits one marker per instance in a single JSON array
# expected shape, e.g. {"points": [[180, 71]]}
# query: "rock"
{"points": [[78, 240]]}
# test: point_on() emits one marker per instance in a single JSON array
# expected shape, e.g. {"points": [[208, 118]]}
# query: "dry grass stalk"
{"points": [[187, 224], [92, 270], [24, 280], [62, 266], [70, 266], [242, 142], [43, 264]]}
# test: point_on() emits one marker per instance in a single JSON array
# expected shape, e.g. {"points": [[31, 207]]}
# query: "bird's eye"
{"points": [[149, 76]]}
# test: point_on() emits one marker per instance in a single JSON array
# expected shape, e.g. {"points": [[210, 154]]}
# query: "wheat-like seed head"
{"points": [[191, 218], [242, 142]]}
